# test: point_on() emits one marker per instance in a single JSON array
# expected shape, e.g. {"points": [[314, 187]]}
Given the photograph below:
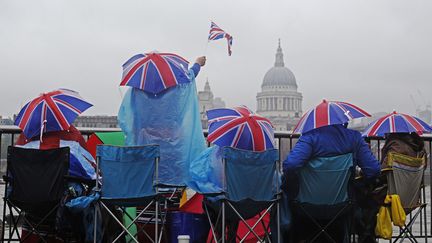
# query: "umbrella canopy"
{"points": [[53, 111], [240, 128], [155, 72], [328, 113], [396, 123]]}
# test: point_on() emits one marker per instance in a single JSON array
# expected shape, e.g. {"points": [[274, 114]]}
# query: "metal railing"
{"points": [[285, 141]]}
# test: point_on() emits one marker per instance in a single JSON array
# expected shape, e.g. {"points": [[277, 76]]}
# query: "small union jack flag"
{"points": [[155, 72], [240, 128], [217, 33]]}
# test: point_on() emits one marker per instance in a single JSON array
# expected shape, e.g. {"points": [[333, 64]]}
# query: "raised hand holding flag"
{"points": [[217, 33]]}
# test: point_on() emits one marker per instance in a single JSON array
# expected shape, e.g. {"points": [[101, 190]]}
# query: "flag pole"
{"points": [[205, 49]]}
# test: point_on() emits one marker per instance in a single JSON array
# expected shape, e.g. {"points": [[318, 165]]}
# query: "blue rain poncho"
{"points": [[170, 119], [206, 171]]}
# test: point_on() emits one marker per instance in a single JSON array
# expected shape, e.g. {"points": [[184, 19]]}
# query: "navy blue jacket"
{"points": [[196, 68], [331, 141]]}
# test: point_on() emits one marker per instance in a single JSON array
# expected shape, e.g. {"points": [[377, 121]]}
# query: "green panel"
{"points": [[127, 221], [111, 138]]}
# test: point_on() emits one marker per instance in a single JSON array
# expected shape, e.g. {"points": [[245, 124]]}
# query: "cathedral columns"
{"points": [[279, 99]]}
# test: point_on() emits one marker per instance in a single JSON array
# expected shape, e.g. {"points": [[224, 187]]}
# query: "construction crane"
{"points": [[427, 103], [417, 107]]}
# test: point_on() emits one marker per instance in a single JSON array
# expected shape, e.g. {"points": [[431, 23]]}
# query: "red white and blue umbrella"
{"points": [[240, 128], [328, 113], [396, 123], [155, 72], [53, 111]]}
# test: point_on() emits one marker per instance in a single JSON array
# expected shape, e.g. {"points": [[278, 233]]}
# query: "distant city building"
{"points": [[279, 100], [361, 124], [96, 121], [6, 121], [425, 114], [5, 142], [207, 102]]}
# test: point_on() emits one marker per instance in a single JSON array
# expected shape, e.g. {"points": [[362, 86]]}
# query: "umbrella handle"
{"points": [[346, 113], [41, 131]]}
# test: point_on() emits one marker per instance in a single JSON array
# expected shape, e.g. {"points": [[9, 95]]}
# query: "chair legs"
{"points": [[13, 232], [322, 229], [12, 222], [218, 227], [251, 229], [223, 221], [212, 227], [34, 227], [119, 222], [13, 227], [278, 224], [405, 232], [156, 217]]}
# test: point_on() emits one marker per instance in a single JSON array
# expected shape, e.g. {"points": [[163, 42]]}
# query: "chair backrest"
{"points": [[405, 178], [251, 175], [325, 180], [37, 176], [128, 172]]}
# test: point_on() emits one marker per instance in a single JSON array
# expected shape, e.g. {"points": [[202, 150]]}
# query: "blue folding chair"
{"points": [[129, 179], [251, 186], [323, 197]]}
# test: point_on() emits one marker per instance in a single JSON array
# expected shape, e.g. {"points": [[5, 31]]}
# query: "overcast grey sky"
{"points": [[373, 53]]}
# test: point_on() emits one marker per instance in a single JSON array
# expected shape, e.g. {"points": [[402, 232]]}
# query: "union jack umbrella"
{"points": [[328, 113], [216, 33], [240, 128], [53, 111], [396, 123], [155, 72]]}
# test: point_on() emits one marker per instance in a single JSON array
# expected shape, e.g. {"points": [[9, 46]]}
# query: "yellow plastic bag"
{"points": [[397, 212], [383, 227]]}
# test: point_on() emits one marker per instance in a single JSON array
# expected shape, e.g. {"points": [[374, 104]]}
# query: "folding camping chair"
{"points": [[35, 184], [405, 178], [323, 198], [130, 179], [251, 187]]}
